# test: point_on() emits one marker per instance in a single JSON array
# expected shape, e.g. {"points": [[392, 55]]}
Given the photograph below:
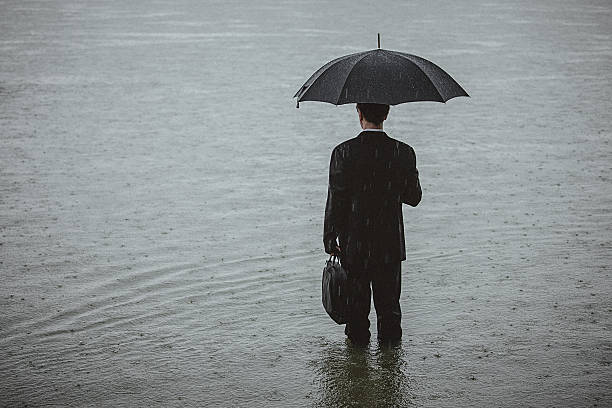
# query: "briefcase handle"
{"points": [[332, 257]]}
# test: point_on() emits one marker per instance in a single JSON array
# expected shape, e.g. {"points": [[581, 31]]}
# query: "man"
{"points": [[370, 176]]}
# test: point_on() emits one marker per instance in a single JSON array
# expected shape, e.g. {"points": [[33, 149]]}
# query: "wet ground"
{"points": [[161, 205]]}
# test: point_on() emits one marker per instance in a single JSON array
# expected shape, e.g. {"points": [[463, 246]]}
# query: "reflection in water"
{"points": [[352, 376]]}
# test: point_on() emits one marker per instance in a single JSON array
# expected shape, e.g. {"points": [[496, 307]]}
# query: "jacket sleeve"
{"points": [[411, 193], [337, 200]]}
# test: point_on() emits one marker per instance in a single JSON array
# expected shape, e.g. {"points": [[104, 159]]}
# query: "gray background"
{"points": [[161, 205]]}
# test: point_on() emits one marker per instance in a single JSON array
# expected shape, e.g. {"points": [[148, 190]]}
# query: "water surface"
{"points": [[162, 204]]}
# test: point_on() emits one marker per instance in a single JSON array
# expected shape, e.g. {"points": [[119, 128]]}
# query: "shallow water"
{"points": [[162, 203]]}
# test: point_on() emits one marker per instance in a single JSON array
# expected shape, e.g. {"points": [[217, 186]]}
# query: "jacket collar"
{"points": [[372, 135]]}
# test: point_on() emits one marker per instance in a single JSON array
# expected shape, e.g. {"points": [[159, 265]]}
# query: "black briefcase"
{"points": [[336, 296]]}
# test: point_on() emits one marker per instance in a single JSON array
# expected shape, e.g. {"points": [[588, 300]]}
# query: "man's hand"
{"points": [[332, 248]]}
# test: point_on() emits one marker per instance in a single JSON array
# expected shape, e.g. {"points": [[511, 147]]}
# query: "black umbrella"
{"points": [[379, 76]]}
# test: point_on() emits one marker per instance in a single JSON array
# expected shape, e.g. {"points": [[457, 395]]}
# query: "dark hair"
{"points": [[373, 112]]}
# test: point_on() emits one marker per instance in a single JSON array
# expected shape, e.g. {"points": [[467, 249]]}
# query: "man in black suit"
{"points": [[370, 176]]}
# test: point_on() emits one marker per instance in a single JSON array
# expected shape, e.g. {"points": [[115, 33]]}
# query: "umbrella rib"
{"points": [[320, 72], [405, 56], [317, 74], [350, 71]]}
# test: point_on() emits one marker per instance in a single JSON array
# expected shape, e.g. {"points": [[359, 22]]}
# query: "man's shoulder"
{"points": [[348, 142], [346, 145], [402, 147]]}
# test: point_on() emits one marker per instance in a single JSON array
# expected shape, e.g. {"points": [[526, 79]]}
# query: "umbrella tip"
{"points": [[378, 40]]}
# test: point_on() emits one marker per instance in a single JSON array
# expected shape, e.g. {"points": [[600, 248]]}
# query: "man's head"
{"points": [[374, 113]]}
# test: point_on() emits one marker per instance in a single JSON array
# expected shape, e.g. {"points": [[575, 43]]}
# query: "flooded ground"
{"points": [[161, 204]]}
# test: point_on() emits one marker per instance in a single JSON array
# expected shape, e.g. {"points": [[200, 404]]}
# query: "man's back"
{"points": [[370, 177]]}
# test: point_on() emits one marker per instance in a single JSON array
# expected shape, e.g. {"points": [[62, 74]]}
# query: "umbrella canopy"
{"points": [[379, 76]]}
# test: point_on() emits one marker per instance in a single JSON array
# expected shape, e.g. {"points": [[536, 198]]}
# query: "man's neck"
{"points": [[365, 125]]}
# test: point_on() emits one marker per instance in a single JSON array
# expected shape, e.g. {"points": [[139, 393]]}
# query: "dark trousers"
{"points": [[385, 280]]}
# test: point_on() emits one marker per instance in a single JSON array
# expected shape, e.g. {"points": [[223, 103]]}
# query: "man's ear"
{"points": [[360, 115]]}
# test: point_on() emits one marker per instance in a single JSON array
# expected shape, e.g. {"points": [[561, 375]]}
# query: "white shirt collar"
{"points": [[372, 130]]}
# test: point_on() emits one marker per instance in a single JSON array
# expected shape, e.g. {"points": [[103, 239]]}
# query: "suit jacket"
{"points": [[370, 176]]}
